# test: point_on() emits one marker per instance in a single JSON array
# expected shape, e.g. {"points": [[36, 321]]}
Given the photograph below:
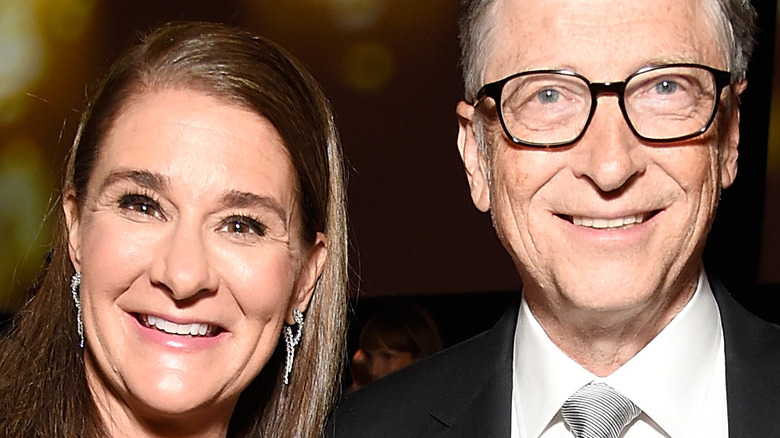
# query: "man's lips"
{"points": [[190, 329], [609, 223]]}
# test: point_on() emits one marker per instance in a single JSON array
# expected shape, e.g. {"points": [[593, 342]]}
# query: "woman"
{"points": [[203, 219]]}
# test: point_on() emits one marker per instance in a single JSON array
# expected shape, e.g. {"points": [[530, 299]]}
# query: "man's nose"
{"points": [[608, 152], [183, 265]]}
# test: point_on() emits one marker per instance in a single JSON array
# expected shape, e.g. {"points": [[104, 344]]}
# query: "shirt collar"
{"points": [[679, 360]]}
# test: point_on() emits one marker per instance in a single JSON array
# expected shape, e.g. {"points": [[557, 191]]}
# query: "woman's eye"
{"points": [[243, 225], [140, 204]]}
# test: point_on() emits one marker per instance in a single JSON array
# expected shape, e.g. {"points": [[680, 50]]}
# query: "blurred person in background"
{"points": [[397, 336]]}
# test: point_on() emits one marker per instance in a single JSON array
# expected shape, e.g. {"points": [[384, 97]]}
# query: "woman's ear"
{"points": [[310, 272], [70, 207]]}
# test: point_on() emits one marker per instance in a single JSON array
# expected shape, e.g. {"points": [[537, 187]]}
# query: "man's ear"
{"points": [[70, 207], [730, 145], [311, 268], [474, 160]]}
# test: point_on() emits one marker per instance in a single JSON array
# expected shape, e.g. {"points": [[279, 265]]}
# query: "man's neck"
{"points": [[601, 341]]}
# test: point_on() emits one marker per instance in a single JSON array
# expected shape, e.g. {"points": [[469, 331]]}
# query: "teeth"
{"points": [[602, 223], [194, 329]]}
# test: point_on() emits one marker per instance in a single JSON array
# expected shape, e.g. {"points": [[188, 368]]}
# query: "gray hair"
{"points": [[735, 21]]}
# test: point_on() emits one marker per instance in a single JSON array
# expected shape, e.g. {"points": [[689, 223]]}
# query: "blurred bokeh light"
{"points": [[21, 52], [368, 65], [39, 51], [24, 194], [355, 14]]}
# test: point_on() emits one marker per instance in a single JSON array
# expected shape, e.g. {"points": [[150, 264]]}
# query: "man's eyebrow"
{"points": [[671, 60], [144, 178], [238, 199]]}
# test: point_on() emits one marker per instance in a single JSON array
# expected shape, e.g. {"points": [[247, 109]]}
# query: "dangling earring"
{"points": [[291, 342], [75, 282]]}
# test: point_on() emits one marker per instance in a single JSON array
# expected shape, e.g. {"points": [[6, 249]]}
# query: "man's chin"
{"points": [[608, 292]]}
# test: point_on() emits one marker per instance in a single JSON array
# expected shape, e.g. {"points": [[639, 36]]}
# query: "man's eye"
{"points": [[243, 225], [140, 204], [548, 96], [665, 87]]}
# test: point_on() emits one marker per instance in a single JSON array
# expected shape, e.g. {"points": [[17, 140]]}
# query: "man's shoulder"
{"points": [[743, 330], [405, 403], [752, 348]]}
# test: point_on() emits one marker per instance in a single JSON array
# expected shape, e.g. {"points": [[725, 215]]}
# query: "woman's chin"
{"points": [[173, 395], [180, 407]]}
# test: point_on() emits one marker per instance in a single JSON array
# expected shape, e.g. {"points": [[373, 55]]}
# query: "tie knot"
{"points": [[598, 411]]}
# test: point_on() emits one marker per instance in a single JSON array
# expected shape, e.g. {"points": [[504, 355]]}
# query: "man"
{"points": [[599, 134]]}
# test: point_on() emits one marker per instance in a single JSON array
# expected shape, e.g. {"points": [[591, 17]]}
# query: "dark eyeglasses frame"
{"points": [[494, 90]]}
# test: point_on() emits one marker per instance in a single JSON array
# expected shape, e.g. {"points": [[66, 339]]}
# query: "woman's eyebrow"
{"points": [[238, 199], [149, 180]]}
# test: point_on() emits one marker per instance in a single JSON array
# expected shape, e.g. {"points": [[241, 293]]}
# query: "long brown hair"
{"points": [[43, 390]]}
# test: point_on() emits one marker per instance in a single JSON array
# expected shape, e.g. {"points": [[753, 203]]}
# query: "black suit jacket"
{"points": [[466, 391]]}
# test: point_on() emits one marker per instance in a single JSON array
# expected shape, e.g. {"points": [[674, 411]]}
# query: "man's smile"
{"points": [[608, 223]]}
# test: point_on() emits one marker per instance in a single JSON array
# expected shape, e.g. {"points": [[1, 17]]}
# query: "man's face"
{"points": [[537, 195]]}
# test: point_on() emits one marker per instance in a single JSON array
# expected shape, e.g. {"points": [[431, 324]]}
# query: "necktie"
{"points": [[598, 411]]}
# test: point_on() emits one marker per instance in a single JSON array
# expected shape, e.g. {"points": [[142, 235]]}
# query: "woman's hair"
{"points": [[43, 390], [403, 327]]}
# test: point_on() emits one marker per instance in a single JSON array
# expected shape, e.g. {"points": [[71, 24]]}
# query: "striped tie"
{"points": [[598, 411]]}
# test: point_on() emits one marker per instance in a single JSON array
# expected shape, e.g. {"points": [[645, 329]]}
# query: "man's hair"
{"points": [[735, 21]]}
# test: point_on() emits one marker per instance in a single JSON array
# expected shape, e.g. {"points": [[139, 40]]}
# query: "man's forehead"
{"points": [[602, 39]]}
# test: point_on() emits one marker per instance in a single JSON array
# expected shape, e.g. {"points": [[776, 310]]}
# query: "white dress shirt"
{"points": [[678, 380]]}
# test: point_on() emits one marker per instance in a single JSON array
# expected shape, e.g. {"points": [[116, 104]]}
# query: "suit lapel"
{"points": [[482, 401], [752, 349]]}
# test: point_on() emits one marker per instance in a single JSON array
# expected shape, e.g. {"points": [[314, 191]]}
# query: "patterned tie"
{"points": [[598, 411]]}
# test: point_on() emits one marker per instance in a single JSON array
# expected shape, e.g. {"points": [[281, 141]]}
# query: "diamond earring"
{"points": [[292, 341]]}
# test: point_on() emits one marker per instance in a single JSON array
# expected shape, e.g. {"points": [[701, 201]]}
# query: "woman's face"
{"points": [[189, 244]]}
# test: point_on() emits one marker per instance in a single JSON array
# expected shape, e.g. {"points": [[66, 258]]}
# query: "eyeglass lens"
{"points": [[659, 104]]}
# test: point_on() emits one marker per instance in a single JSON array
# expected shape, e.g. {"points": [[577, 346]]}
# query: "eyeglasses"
{"points": [[552, 108]]}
